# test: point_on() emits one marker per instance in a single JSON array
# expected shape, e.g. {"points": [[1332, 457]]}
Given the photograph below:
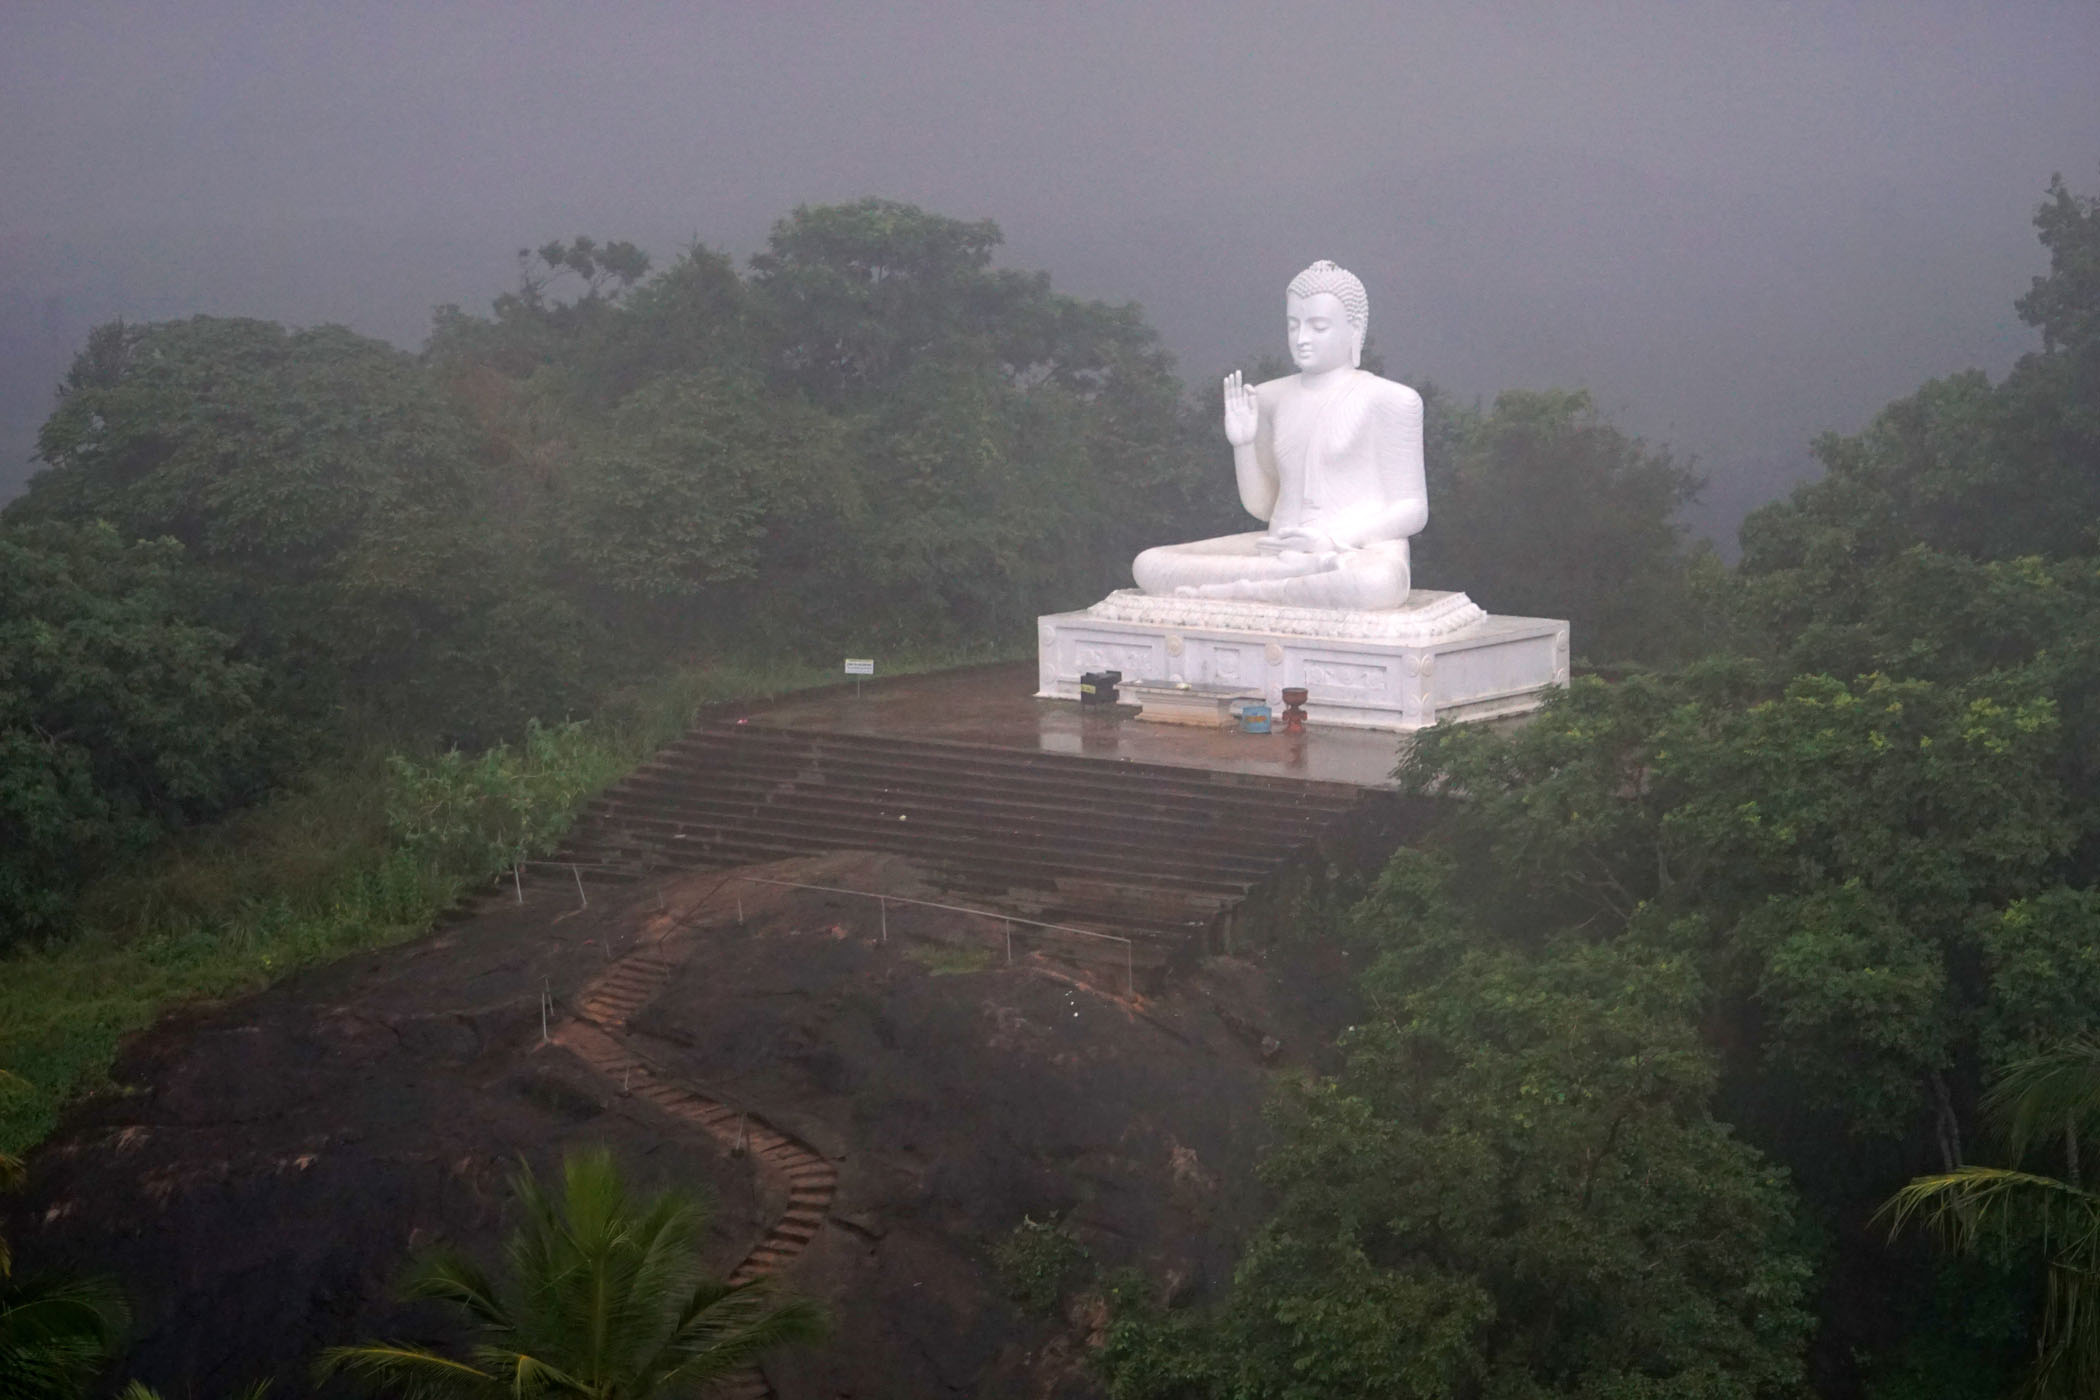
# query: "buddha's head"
{"points": [[1326, 316]]}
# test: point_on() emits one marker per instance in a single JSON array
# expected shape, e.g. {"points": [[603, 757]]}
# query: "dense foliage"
{"points": [[1515, 1187], [1540, 508], [121, 715]]}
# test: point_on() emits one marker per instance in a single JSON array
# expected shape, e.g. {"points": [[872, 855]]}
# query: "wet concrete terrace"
{"points": [[996, 706]]}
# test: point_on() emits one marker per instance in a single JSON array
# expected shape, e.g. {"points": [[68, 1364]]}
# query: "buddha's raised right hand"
{"points": [[1242, 416]]}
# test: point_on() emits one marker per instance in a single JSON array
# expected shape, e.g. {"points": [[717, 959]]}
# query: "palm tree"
{"points": [[2056, 1092], [55, 1332], [605, 1300]]}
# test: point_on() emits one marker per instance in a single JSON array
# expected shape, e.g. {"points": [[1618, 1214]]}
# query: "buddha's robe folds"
{"points": [[1341, 461]]}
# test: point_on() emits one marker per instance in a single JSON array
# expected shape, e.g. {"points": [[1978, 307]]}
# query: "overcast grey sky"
{"points": [[1738, 223]]}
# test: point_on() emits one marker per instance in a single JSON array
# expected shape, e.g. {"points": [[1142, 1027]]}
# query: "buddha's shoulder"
{"points": [[1392, 392]]}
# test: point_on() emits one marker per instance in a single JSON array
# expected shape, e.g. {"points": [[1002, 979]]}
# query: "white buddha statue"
{"points": [[1330, 457]]}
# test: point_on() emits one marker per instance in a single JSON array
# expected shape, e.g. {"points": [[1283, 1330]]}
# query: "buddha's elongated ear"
{"points": [[1357, 331]]}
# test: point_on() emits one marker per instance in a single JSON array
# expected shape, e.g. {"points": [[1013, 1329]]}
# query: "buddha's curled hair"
{"points": [[1324, 276]]}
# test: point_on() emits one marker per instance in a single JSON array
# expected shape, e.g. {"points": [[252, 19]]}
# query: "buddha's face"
{"points": [[1319, 333]]}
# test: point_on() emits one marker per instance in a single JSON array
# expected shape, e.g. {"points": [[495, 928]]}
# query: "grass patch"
{"points": [[360, 853], [944, 960]]}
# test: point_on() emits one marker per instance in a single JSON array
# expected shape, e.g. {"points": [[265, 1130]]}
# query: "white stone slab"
{"points": [[1437, 657], [1208, 706]]}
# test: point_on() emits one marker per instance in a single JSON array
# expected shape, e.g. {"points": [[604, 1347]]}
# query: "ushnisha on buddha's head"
{"points": [[1326, 317]]}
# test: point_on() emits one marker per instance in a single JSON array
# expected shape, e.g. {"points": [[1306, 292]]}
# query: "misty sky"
{"points": [[1738, 223]]}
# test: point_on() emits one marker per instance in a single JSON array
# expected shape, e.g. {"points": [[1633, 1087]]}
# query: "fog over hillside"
{"points": [[1738, 225]]}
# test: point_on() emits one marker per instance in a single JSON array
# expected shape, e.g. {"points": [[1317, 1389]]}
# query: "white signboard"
{"points": [[860, 665]]}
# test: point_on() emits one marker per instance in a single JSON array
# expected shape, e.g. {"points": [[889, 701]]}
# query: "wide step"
{"points": [[1146, 851]]}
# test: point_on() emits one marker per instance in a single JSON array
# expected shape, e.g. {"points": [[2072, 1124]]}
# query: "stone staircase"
{"points": [[1155, 853], [597, 1038]]}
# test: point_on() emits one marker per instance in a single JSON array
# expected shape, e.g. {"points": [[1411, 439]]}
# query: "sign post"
{"points": [[857, 667]]}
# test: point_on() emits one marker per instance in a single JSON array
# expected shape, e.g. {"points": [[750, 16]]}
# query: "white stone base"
{"points": [[1436, 657]]}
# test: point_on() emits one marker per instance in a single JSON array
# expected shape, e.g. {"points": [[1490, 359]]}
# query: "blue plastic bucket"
{"points": [[1254, 719]]}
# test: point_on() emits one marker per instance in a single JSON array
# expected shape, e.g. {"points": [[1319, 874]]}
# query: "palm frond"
{"points": [[408, 1371], [53, 1372], [55, 1334], [449, 1276], [63, 1307], [1970, 1203], [2067, 1343], [12, 1174], [2036, 1097], [723, 1328], [529, 1375]]}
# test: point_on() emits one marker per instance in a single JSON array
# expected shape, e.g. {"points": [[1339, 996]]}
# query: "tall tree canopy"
{"points": [[336, 503], [1539, 507]]}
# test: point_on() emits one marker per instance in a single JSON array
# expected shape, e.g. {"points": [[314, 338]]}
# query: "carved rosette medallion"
{"points": [[1419, 666]]}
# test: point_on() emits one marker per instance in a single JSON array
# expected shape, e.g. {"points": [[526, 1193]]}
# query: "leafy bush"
{"points": [[479, 814], [1038, 1261], [121, 716]]}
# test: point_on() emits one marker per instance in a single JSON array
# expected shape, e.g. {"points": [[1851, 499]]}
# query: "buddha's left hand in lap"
{"points": [[1302, 539]]}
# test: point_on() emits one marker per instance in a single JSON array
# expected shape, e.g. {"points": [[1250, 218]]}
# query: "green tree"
{"points": [[877, 435], [1962, 467], [605, 1299], [1540, 507], [1869, 878], [623, 328], [336, 504], [700, 482], [122, 717], [1015, 447], [1514, 1187], [858, 295], [1827, 852]]}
